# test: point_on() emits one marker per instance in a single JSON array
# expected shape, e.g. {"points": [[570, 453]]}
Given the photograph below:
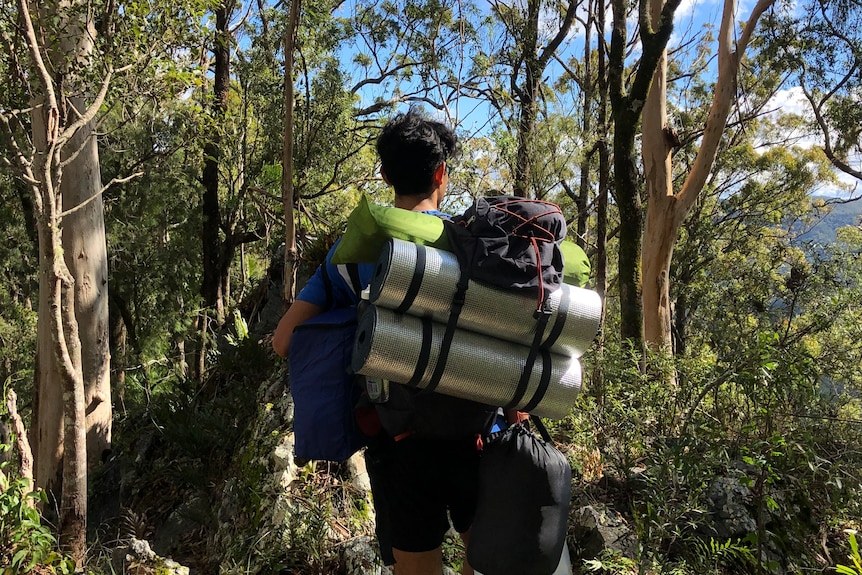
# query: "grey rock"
{"points": [[360, 557], [139, 552], [596, 529], [728, 501]]}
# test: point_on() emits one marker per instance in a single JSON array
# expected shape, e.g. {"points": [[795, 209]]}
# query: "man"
{"points": [[419, 478]]}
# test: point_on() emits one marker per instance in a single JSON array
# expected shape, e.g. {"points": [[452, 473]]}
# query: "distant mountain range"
{"points": [[823, 232]]}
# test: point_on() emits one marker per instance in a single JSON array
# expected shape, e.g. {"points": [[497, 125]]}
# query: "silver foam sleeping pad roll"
{"points": [[480, 368], [433, 276]]}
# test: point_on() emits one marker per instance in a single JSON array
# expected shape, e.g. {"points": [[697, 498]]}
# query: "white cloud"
{"points": [[790, 101]]}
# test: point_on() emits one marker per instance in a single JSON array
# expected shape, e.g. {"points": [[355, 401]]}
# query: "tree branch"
{"points": [[104, 188], [23, 444], [552, 46], [728, 68]]}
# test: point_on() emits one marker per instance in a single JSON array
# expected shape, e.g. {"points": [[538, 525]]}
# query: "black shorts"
{"points": [[418, 484]]}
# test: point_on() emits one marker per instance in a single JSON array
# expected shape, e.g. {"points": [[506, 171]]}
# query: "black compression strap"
{"points": [[424, 353], [415, 281], [455, 311], [543, 431], [560, 322], [543, 383], [541, 323]]}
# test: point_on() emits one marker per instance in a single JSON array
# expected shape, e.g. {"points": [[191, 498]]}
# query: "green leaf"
{"points": [[18, 557]]}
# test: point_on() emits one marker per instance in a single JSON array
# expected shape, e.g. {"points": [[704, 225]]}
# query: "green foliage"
{"points": [[611, 563], [24, 541], [18, 285], [855, 557]]}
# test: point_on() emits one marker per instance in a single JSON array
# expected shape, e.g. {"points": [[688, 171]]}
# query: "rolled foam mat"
{"points": [[420, 281], [480, 368]]}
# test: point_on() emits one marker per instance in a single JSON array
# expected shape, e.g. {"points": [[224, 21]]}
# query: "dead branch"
{"points": [[23, 444]]}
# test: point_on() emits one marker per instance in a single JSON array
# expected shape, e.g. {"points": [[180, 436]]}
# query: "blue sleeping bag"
{"points": [[324, 388]]}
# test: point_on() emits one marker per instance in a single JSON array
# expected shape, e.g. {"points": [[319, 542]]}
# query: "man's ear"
{"points": [[438, 175], [383, 175]]}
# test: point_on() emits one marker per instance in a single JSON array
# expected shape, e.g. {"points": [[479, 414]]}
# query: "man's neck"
{"points": [[416, 203]]}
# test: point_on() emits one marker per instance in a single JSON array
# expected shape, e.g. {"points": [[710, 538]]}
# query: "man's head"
{"points": [[412, 149]]}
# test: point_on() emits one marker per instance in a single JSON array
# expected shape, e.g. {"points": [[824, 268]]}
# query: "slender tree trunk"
{"points": [[527, 99], [119, 361], [287, 190], [601, 259], [61, 420], [25, 470], [586, 127], [211, 287], [656, 151], [626, 185]]}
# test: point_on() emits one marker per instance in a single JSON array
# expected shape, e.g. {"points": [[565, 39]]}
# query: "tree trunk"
{"points": [[211, 285], [656, 24], [601, 259], [666, 211], [287, 190], [626, 187], [657, 247], [63, 174], [60, 431], [586, 127], [660, 235], [118, 338], [527, 99], [85, 251], [628, 196]]}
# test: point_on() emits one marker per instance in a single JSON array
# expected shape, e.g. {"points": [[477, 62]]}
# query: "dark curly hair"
{"points": [[411, 147]]}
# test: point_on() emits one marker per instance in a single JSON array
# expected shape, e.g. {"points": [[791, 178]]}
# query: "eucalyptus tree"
{"points": [[646, 249], [667, 208], [69, 59]]}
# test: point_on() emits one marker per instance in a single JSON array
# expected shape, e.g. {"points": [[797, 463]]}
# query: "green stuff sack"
{"points": [[370, 226], [576, 264]]}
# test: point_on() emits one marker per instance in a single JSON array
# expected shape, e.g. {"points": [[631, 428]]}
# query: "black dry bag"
{"points": [[524, 490]]}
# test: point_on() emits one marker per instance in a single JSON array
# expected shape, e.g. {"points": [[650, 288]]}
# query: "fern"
{"points": [[856, 569]]}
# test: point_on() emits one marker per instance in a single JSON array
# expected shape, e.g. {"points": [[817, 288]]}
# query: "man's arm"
{"points": [[299, 312]]}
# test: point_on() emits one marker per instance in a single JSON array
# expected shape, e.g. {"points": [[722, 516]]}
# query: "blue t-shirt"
{"points": [[343, 293]]}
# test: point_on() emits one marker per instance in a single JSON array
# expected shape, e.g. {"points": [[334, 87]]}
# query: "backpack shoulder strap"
{"points": [[352, 270]]}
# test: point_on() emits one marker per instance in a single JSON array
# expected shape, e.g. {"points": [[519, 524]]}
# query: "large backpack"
{"points": [[514, 244], [508, 242], [511, 243]]}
